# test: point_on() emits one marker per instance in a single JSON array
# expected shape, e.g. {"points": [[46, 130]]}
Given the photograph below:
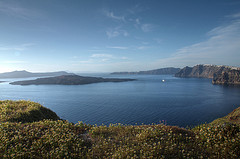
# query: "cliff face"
{"points": [[230, 77], [161, 71], [201, 71], [220, 74]]}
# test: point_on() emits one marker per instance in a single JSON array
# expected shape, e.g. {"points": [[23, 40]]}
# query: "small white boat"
{"points": [[163, 80]]}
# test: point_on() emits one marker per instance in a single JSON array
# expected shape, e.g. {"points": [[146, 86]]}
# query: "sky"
{"points": [[117, 35]]}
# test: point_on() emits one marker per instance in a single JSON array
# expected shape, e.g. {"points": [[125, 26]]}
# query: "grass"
{"points": [[233, 117], [43, 139], [61, 139], [24, 111]]}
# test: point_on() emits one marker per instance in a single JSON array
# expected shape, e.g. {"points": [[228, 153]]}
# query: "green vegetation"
{"points": [[233, 117], [59, 139], [43, 139], [24, 111]]}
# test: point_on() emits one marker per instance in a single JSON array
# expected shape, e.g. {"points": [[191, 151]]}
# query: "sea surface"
{"points": [[176, 101]]}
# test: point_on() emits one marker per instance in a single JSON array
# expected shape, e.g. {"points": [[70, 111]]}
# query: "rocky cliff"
{"points": [[220, 74], [202, 71], [230, 77]]}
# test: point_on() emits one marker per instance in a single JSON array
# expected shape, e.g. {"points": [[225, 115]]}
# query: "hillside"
{"points": [[201, 71], [232, 118], [24, 111], [219, 74], [230, 77], [161, 71], [26, 74], [61, 139], [69, 80]]}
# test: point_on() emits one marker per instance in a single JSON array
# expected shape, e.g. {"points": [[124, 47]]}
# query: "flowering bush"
{"points": [[61, 139]]}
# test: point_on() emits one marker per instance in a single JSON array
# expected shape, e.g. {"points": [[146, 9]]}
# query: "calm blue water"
{"points": [[177, 101]]}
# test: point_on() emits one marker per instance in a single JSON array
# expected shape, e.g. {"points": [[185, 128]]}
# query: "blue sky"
{"points": [[117, 35]]}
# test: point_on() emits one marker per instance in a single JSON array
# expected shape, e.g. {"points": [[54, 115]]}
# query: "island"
{"points": [[161, 71], [26, 74], [225, 75], [69, 80]]}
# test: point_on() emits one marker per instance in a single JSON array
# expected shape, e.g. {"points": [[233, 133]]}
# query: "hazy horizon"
{"points": [[112, 36]]}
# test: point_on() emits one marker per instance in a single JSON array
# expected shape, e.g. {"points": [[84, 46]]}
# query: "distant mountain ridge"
{"points": [[203, 71], [225, 75], [161, 71], [25, 74]]}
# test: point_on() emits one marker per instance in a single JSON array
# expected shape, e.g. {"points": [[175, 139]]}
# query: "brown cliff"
{"points": [[224, 75], [230, 77], [201, 71]]}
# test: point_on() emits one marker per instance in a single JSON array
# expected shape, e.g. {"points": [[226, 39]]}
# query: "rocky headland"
{"points": [[230, 77], [161, 71], [69, 80], [220, 74]]}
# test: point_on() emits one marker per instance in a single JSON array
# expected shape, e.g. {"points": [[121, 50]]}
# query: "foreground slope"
{"points": [[61, 139], [24, 111], [232, 118]]}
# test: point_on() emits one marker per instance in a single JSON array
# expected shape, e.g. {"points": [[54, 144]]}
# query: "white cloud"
{"points": [[113, 16], [237, 15], [15, 10], [21, 47], [142, 47], [13, 62], [221, 48], [118, 47], [124, 58], [102, 56], [159, 41], [147, 27], [137, 21], [112, 33], [115, 32]]}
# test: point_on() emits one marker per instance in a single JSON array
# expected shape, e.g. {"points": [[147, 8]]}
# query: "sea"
{"points": [[151, 99]]}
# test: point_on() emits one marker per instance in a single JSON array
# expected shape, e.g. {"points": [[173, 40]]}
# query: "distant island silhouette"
{"points": [[26, 74], [161, 71], [69, 80]]}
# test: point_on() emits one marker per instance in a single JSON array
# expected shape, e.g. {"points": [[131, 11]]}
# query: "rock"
{"points": [[230, 77], [201, 71]]}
